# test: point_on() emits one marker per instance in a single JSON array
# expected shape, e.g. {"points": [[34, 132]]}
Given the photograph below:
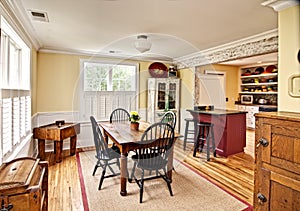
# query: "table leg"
{"points": [[170, 164], [73, 140], [123, 177], [58, 149], [41, 147]]}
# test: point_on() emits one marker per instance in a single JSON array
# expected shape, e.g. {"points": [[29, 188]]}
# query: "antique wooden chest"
{"points": [[24, 184]]}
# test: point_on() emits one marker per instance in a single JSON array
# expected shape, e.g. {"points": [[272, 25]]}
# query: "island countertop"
{"points": [[217, 111]]}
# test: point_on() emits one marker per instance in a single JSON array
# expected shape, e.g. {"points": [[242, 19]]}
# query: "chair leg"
{"points": [[118, 163], [102, 176], [95, 169], [142, 187], [168, 183], [132, 172]]}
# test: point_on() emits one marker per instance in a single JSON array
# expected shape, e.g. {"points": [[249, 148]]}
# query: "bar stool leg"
{"points": [[208, 143], [213, 141], [196, 146], [185, 134], [202, 137]]}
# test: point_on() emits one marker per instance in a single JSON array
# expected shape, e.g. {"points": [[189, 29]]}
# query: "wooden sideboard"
{"points": [[56, 133], [24, 185], [277, 161]]}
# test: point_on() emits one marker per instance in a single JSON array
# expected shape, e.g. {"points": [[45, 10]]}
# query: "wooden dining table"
{"points": [[127, 140]]}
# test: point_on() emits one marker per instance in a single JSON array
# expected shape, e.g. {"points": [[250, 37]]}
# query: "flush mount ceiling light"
{"points": [[142, 44]]}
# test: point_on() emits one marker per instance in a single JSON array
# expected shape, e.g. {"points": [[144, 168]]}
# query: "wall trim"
{"points": [[263, 43], [279, 5]]}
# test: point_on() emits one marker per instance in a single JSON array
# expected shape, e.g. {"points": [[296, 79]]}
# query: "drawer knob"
{"points": [[261, 198], [9, 207], [263, 142]]}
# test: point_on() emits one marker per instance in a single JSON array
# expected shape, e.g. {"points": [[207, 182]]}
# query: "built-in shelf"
{"points": [[267, 75], [260, 84], [258, 93], [263, 83]]}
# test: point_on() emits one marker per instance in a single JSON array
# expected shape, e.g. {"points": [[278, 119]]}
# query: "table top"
{"points": [[54, 126], [53, 132], [217, 112], [122, 133]]}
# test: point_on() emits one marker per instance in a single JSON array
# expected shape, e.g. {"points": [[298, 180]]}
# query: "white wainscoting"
{"points": [[84, 139]]}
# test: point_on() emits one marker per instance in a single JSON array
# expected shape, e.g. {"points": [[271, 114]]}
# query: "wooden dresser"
{"points": [[24, 185], [277, 161]]}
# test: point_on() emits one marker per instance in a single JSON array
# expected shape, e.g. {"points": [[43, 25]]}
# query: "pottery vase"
{"points": [[134, 125]]}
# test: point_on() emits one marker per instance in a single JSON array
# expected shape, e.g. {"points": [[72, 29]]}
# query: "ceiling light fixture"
{"points": [[142, 44]]}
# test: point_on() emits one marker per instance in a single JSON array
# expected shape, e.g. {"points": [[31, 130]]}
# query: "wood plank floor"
{"points": [[234, 174]]}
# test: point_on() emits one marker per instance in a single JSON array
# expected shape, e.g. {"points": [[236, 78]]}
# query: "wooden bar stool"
{"points": [[205, 137], [189, 131]]}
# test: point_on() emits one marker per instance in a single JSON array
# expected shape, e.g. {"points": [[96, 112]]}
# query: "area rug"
{"points": [[191, 191]]}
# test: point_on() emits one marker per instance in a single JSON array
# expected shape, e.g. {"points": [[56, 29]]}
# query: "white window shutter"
{"points": [[22, 117], [28, 114], [16, 120], [7, 125]]}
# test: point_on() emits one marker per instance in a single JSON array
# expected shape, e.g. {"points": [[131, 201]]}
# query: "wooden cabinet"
{"points": [[277, 161], [163, 95], [24, 185]]}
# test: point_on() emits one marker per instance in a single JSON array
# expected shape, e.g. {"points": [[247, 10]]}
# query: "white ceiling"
{"points": [[176, 28]]}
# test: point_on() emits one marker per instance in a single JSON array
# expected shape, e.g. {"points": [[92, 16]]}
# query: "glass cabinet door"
{"points": [[161, 95], [172, 95]]}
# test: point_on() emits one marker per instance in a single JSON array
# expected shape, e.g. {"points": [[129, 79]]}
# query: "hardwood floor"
{"points": [[234, 174]]}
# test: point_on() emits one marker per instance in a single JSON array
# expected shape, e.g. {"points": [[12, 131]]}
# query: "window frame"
{"points": [[15, 91], [108, 92]]}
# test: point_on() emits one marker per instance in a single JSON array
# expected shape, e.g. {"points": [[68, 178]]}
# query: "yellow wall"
{"points": [[33, 81], [232, 78], [57, 81], [289, 44], [187, 88]]}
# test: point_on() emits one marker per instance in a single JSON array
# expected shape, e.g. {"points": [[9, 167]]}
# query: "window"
{"points": [[106, 86], [15, 100]]}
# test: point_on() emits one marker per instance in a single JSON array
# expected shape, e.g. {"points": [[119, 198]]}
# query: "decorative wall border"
{"points": [[256, 45]]}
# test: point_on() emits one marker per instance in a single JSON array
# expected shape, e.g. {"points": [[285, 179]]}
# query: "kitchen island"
{"points": [[229, 129]]}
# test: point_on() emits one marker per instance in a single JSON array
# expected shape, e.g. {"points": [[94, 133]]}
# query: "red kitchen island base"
{"points": [[229, 129]]}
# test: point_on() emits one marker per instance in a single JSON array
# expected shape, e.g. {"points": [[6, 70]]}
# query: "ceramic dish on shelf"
{"points": [[258, 71], [271, 69], [158, 70]]}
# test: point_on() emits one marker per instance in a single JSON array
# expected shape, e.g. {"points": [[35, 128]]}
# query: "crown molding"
{"points": [[20, 19], [279, 5], [149, 58], [263, 43]]}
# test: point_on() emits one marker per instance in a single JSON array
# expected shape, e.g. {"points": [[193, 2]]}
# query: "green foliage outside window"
{"points": [[108, 77]]}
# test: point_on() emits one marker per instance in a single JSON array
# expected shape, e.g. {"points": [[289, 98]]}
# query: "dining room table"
{"points": [[128, 139]]}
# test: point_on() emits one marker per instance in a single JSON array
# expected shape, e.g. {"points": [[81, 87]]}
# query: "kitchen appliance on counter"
{"points": [[267, 108], [247, 99], [262, 101]]}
